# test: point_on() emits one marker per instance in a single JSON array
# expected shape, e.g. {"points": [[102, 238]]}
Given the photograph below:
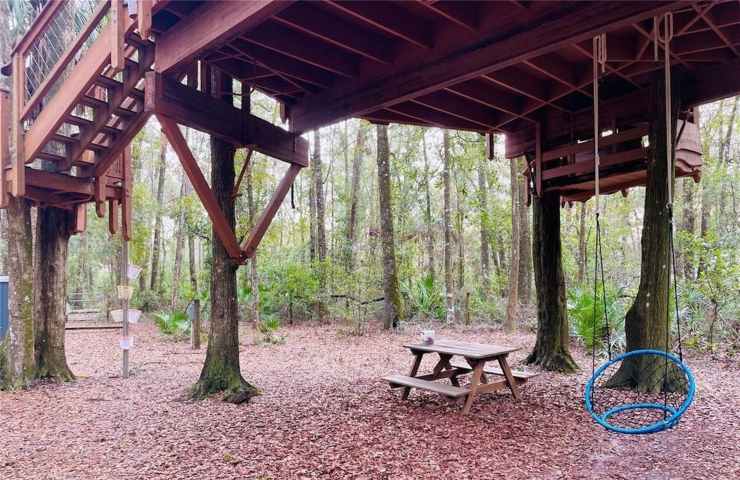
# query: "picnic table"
{"points": [[475, 356]]}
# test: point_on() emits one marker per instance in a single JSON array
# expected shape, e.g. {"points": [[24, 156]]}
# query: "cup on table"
{"points": [[427, 337]]}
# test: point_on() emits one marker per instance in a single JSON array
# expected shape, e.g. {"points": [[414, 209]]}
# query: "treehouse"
{"points": [[85, 81]]}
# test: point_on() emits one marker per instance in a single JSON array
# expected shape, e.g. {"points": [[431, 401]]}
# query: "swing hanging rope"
{"points": [[643, 412]]}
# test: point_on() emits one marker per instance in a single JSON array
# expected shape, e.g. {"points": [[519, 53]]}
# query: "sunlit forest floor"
{"points": [[325, 413]]}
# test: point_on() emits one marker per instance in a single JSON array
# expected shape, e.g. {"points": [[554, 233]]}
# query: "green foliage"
{"points": [[268, 328], [423, 297], [287, 285], [581, 307], [176, 324]]}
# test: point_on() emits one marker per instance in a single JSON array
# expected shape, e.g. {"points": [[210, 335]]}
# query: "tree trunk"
{"points": [[393, 309], [460, 256], [318, 182], [161, 172], [551, 350], [429, 241], [447, 216], [582, 244], [485, 265], [525, 247], [53, 229], [353, 198], [688, 225], [254, 279], [221, 371], [179, 244], [19, 345], [512, 307], [646, 324]]}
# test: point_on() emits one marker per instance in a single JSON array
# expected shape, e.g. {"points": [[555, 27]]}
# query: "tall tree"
{"points": [[354, 197], [318, 184], [157, 242], [254, 279], [524, 277], [447, 218], [19, 347], [53, 229], [221, 371], [646, 322], [179, 243], [393, 308], [688, 226], [551, 350], [582, 244], [485, 256], [512, 306], [429, 240]]}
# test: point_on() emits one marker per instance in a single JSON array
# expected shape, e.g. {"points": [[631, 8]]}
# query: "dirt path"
{"points": [[325, 413]]}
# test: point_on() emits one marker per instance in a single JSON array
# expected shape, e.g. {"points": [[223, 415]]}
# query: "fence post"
{"points": [[194, 313]]}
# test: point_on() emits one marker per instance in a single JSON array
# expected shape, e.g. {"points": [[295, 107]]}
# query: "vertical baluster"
{"points": [[18, 172]]}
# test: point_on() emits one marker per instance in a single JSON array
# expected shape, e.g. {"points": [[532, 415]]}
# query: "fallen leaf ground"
{"points": [[325, 413]]}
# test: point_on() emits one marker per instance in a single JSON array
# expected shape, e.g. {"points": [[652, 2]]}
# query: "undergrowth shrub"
{"points": [[590, 330], [175, 324]]}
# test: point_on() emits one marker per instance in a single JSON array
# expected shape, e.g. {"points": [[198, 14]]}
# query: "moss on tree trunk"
{"points": [[646, 324], [551, 350], [221, 371], [19, 342], [53, 229]]}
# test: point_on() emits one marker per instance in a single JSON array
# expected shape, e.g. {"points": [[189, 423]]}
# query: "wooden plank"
{"points": [[538, 159], [491, 54], [18, 172], [5, 129], [200, 185], [127, 194], [118, 16], [464, 349], [144, 18], [113, 216], [570, 149], [199, 110], [212, 23], [255, 235], [587, 167], [413, 382], [121, 141], [80, 223]]}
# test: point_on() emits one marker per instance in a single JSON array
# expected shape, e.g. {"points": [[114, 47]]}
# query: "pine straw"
{"points": [[325, 413]]}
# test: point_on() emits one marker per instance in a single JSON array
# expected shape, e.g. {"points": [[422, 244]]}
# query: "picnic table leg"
{"points": [[509, 377], [444, 364], [412, 373], [474, 382]]}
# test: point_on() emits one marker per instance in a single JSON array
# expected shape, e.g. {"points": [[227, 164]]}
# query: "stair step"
{"points": [[108, 130], [125, 112], [58, 137], [52, 157], [136, 93], [97, 147], [107, 82], [79, 121], [93, 102]]}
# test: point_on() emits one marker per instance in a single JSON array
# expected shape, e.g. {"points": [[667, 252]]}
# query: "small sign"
{"points": [[125, 292], [127, 343]]}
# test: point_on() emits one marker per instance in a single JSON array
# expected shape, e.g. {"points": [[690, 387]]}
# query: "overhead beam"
{"points": [[201, 111], [575, 24], [212, 23]]}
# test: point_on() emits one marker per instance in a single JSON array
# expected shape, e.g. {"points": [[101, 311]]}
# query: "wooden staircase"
{"points": [[72, 124]]}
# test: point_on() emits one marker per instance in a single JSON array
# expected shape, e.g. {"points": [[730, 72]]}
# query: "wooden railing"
{"points": [[61, 33]]}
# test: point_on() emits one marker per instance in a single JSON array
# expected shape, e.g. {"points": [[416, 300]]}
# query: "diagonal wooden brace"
{"points": [[190, 165]]}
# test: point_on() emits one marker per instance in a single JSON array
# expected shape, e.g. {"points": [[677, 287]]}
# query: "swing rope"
{"points": [[660, 405]]}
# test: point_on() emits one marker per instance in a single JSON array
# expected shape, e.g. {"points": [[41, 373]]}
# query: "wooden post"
{"points": [[18, 172], [195, 326], [124, 308], [538, 160], [144, 14], [5, 125], [118, 32]]}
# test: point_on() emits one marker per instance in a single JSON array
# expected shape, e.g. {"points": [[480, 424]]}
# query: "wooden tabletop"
{"points": [[463, 349]]}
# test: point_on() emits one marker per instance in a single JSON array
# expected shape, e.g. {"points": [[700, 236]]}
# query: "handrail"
{"points": [[42, 89], [39, 25]]}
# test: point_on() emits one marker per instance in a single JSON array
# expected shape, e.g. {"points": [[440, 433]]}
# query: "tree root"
{"points": [[235, 389], [557, 361]]}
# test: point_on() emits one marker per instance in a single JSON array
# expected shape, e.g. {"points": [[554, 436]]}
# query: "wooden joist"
{"points": [[201, 111], [5, 130]]}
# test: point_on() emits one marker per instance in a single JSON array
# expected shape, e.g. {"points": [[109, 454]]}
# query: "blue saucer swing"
{"points": [[667, 386]]}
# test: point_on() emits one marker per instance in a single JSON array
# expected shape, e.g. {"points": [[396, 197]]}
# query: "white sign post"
{"points": [[129, 273]]}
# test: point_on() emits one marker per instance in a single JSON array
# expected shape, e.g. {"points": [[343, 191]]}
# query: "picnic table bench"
{"points": [[475, 356]]}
